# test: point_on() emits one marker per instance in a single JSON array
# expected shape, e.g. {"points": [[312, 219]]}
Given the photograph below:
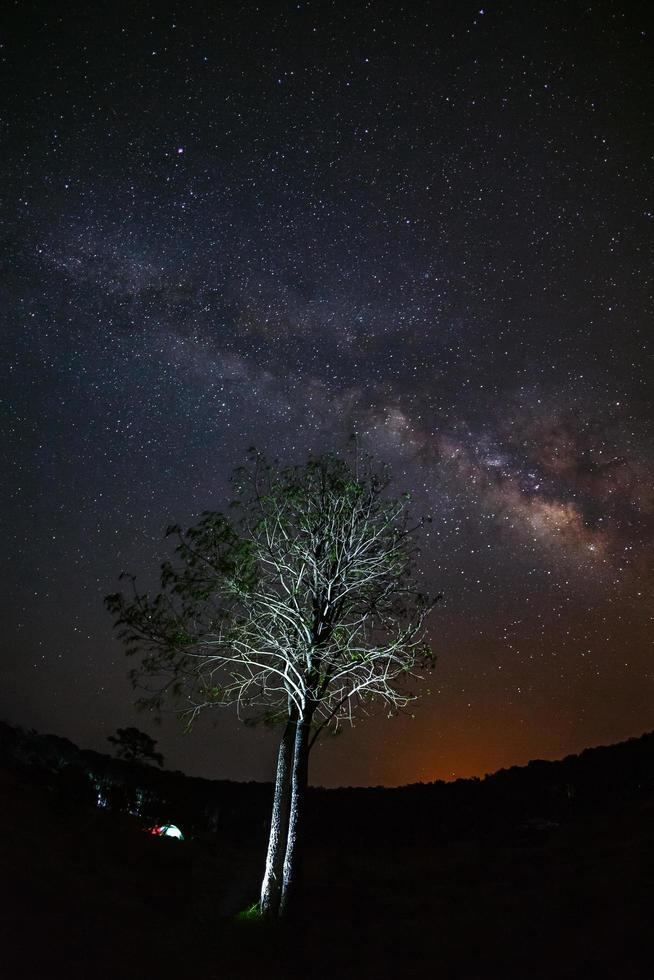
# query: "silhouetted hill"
{"points": [[529, 798]]}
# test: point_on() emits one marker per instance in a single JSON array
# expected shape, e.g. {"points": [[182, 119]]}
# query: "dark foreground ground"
{"points": [[88, 894]]}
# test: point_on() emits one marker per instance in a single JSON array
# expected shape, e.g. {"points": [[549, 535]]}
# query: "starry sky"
{"points": [[227, 224]]}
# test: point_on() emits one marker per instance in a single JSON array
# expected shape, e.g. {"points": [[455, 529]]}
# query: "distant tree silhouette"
{"points": [[134, 745], [303, 608]]}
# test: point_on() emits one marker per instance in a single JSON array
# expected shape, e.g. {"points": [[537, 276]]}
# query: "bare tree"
{"points": [[304, 608]]}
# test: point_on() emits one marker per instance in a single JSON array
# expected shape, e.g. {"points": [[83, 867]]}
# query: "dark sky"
{"points": [[227, 224]]}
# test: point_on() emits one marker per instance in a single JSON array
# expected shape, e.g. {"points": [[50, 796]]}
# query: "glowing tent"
{"points": [[167, 830]]}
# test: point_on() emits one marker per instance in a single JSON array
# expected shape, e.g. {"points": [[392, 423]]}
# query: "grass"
{"points": [[251, 914]]}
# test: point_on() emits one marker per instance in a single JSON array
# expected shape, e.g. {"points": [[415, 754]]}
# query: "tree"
{"points": [[134, 745], [304, 608]]}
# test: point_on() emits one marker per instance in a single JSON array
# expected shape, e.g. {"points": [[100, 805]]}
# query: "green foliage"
{"points": [[251, 914]]}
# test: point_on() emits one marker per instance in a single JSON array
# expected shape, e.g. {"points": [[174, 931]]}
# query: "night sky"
{"points": [[228, 224]]}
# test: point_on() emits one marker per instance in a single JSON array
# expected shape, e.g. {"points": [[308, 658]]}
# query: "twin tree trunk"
{"points": [[271, 887], [280, 877]]}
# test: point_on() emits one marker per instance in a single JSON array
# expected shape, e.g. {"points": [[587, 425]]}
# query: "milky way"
{"points": [[277, 225]]}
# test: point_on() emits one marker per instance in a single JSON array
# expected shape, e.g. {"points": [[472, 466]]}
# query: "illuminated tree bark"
{"points": [[271, 887], [299, 784]]}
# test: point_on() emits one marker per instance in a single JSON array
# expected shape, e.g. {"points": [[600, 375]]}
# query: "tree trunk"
{"points": [[271, 887], [299, 782]]}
